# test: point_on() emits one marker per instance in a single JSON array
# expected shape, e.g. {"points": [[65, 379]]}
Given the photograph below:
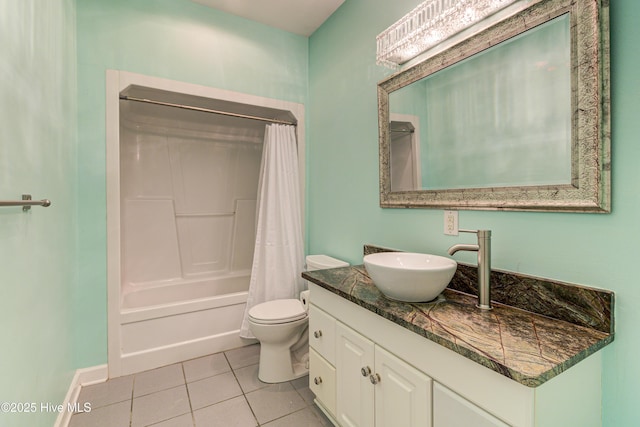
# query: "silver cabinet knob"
{"points": [[317, 334], [366, 371], [374, 378], [317, 380]]}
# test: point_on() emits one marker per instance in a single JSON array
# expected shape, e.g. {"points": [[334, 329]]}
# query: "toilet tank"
{"points": [[321, 262]]}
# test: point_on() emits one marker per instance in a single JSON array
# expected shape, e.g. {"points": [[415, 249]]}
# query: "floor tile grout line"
{"points": [[285, 415], [168, 419], [131, 410], [93, 407], [159, 391], [244, 395], [163, 388], [186, 386], [133, 387]]}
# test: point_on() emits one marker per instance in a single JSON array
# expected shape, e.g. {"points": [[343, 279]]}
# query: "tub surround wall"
{"points": [[527, 347], [188, 187]]}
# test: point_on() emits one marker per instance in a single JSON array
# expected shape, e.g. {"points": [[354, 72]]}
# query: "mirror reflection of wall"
{"points": [[499, 118]]}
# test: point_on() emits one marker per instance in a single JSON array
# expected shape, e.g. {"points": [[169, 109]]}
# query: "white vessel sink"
{"points": [[408, 276]]}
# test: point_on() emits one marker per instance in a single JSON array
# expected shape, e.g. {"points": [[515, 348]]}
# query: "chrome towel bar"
{"points": [[26, 202]]}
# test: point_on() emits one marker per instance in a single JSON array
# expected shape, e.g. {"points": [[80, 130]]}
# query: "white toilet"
{"points": [[281, 326]]}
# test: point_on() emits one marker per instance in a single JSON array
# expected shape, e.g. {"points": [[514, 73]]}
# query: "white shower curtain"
{"points": [[278, 257]]}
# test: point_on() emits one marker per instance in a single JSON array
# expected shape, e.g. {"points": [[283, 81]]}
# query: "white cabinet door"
{"points": [[451, 410], [403, 395], [355, 393]]}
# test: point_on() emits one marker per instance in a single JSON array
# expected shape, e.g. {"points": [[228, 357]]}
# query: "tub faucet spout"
{"points": [[484, 264]]}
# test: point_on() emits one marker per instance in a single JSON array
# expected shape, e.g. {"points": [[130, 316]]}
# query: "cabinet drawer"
{"points": [[322, 381], [451, 410], [322, 333]]}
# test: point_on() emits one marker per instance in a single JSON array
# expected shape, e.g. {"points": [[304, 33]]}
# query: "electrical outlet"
{"points": [[451, 223]]}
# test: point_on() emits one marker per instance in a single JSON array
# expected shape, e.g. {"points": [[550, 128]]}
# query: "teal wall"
{"points": [[589, 249], [174, 39], [38, 248]]}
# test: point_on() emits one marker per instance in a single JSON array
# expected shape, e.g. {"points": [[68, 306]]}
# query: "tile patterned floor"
{"points": [[222, 389]]}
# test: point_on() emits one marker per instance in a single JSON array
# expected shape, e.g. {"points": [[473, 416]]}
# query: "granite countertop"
{"points": [[527, 347]]}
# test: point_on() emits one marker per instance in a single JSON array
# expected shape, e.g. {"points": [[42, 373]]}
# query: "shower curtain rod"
{"points": [[207, 110]]}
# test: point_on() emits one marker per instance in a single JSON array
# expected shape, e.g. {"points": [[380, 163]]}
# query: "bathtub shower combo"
{"points": [[187, 210]]}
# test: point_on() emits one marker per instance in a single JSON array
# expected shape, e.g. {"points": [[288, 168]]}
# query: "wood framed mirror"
{"points": [[516, 117]]}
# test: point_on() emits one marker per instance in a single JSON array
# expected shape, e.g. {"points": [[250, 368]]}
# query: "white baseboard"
{"points": [[82, 377]]}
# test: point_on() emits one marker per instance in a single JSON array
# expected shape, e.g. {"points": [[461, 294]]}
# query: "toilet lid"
{"points": [[278, 311]]}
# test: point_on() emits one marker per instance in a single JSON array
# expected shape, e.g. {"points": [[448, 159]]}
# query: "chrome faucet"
{"points": [[484, 264]]}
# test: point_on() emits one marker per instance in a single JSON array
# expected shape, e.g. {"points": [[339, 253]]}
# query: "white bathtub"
{"points": [[170, 323]]}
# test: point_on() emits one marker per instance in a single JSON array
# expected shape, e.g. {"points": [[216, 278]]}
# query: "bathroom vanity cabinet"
{"points": [[374, 387], [367, 371], [322, 358]]}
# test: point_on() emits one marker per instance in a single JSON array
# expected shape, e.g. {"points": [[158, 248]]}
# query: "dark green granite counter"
{"points": [[527, 347]]}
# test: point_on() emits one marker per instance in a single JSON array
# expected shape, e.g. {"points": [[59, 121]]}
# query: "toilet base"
{"points": [[278, 365], [284, 350]]}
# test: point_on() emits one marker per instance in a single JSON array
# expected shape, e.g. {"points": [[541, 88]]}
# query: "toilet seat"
{"points": [[277, 311]]}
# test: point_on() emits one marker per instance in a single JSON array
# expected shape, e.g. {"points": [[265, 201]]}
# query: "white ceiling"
{"points": [[301, 17]]}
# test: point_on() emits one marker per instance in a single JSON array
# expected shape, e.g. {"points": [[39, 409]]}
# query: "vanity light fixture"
{"points": [[430, 23]]}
